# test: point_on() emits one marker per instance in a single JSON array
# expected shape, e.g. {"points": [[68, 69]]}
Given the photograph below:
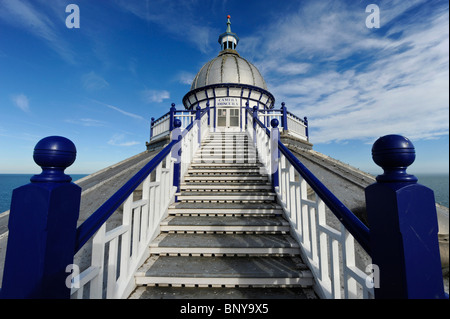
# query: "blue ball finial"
{"points": [[394, 153], [274, 123], [54, 154], [177, 123]]}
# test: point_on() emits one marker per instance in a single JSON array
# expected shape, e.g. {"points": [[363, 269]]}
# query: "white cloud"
{"points": [[115, 108], [185, 77], [357, 83], [177, 18], [119, 140], [87, 122], [24, 15], [93, 82], [155, 95], [21, 101]]}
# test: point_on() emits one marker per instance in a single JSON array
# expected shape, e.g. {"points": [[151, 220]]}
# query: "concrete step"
{"points": [[225, 187], [196, 165], [220, 293], [231, 224], [224, 272], [226, 170], [223, 244], [225, 196], [225, 209], [225, 178]]}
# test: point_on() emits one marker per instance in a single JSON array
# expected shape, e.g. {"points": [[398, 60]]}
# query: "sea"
{"points": [[439, 183], [9, 182]]}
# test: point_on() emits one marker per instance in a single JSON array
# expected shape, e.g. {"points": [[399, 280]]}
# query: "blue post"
{"points": [[151, 127], [176, 153], [198, 110], [172, 116], [42, 226], [274, 152], [305, 120], [403, 226], [209, 115], [247, 108], [255, 116], [284, 116]]}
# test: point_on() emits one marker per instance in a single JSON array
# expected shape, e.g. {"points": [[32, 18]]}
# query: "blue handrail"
{"points": [[345, 216], [96, 220]]}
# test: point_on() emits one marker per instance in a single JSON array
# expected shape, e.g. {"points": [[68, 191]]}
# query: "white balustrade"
{"points": [[161, 126], [326, 246], [296, 127], [119, 252]]}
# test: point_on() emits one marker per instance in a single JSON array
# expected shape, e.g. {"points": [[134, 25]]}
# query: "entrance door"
{"points": [[228, 118]]}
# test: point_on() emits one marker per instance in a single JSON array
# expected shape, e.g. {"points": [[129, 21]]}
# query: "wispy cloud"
{"points": [[25, 15], [93, 82], [155, 95], [177, 18], [358, 83], [119, 140], [117, 109], [21, 101], [88, 122], [184, 77]]}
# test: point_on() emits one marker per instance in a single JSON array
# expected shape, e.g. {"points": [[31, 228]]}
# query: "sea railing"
{"points": [[164, 124], [117, 250], [401, 250], [128, 244], [328, 251], [402, 242], [289, 123]]}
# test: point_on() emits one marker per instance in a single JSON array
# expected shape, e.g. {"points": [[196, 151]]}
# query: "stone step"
{"points": [[225, 165], [220, 293], [225, 178], [224, 196], [225, 187], [225, 209], [223, 244], [191, 271], [230, 224], [227, 170]]}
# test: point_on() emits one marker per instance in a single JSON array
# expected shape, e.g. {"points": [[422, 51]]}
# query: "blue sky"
{"points": [[100, 84]]}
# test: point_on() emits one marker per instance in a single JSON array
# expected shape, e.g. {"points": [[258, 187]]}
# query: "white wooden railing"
{"points": [[326, 246], [117, 253]]}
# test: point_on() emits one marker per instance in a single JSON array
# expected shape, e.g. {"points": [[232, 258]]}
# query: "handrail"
{"points": [[93, 223], [345, 216]]}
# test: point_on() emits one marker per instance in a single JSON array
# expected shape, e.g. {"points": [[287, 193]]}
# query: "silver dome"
{"points": [[228, 67]]}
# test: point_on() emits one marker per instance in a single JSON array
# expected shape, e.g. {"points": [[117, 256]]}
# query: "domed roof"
{"points": [[228, 66]]}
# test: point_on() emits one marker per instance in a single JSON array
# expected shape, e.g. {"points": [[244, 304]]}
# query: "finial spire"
{"points": [[228, 40], [228, 24]]}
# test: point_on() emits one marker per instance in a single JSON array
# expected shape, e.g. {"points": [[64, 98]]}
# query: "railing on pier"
{"points": [[329, 251], [140, 216], [164, 124], [289, 123], [407, 227]]}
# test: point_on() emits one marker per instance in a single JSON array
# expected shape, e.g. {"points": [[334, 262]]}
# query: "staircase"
{"points": [[226, 230]]}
